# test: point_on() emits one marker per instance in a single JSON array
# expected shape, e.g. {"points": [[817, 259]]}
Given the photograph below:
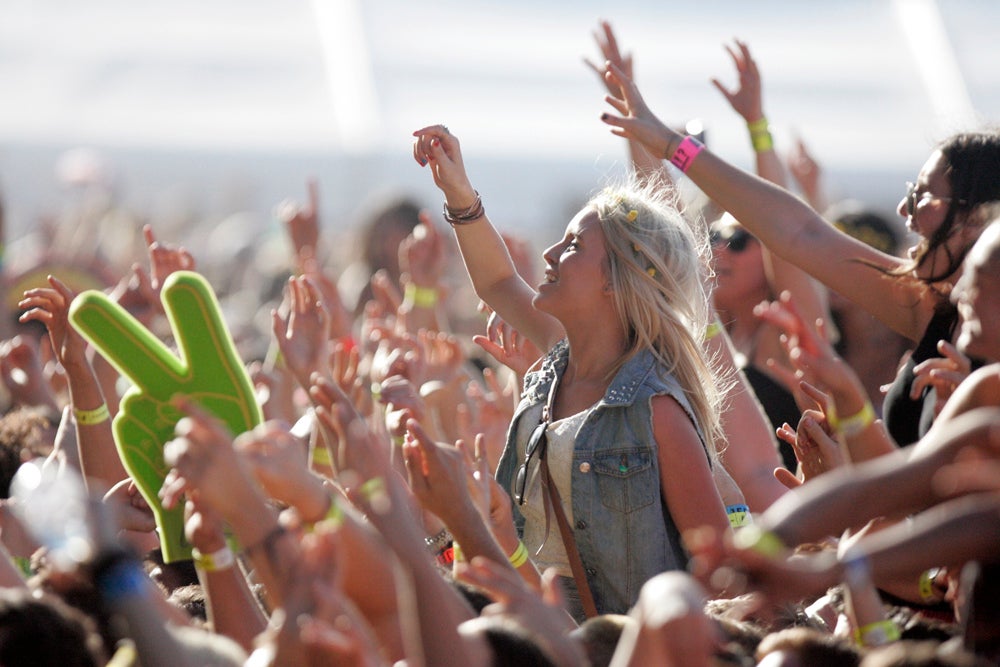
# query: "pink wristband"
{"points": [[686, 153]]}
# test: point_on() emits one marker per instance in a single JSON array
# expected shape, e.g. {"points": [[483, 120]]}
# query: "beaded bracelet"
{"points": [[436, 542], [222, 559], [686, 153], [98, 415]]}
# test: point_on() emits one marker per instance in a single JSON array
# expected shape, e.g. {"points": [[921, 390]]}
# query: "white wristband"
{"points": [[217, 560]]}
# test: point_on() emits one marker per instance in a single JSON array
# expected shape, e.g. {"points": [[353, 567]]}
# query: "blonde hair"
{"points": [[658, 266]]}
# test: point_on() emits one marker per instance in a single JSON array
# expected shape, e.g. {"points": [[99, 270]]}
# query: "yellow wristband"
{"points": [[928, 592], [215, 561], [91, 417], [855, 424], [763, 542], [762, 143], [520, 556], [421, 297], [760, 135], [321, 456], [758, 126], [878, 633]]}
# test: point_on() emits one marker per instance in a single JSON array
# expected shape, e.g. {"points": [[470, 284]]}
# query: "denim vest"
{"points": [[622, 526]]}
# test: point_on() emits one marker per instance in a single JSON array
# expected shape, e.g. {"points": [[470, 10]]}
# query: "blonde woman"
{"points": [[621, 407]]}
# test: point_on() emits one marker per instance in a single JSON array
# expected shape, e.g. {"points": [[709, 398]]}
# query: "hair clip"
{"points": [[651, 271], [632, 215]]}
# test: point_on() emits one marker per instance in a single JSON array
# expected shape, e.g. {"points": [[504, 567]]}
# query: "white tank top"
{"points": [[561, 436]]}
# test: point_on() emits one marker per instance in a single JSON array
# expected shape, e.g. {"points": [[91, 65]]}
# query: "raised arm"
{"points": [[490, 267], [747, 99], [787, 225]]}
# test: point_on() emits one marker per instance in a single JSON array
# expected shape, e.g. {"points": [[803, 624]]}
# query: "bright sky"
{"points": [[286, 88]]}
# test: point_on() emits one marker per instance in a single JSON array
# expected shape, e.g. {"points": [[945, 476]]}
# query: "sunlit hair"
{"points": [[659, 271]]}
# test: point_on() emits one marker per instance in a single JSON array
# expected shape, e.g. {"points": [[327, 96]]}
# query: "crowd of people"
{"points": [[664, 444]]}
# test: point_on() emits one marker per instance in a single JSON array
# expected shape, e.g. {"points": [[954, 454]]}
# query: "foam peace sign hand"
{"points": [[207, 370]]}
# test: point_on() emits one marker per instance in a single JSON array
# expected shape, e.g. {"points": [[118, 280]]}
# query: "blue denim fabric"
{"points": [[623, 529]]}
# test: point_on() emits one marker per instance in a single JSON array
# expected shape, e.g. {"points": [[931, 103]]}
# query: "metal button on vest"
{"points": [[581, 524], [585, 467]]}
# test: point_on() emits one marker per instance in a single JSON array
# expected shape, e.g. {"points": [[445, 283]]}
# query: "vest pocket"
{"points": [[626, 479]]}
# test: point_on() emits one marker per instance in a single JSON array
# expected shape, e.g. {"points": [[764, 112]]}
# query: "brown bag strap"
{"points": [[575, 563]]}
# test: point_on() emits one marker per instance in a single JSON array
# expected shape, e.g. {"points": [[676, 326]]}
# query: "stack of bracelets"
{"points": [[464, 216]]}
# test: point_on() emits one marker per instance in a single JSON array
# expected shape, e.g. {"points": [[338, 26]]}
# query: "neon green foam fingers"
{"points": [[208, 370]]}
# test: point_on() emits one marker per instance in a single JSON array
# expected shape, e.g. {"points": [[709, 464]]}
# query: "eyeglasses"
{"points": [[912, 197], [736, 241], [536, 443]]}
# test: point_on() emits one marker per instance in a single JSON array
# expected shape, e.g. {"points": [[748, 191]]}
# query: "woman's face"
{"points": [[576, 268], [925, 208], [739, 268], [977, 296]]}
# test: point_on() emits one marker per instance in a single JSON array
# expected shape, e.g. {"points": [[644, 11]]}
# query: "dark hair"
{"points": [[43, 631], [813, 648], [599, 636], [513, 645], [973, 165]]}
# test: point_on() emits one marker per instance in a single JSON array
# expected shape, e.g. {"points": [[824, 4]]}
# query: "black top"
{"points": [[905, 419], [780, 406]]}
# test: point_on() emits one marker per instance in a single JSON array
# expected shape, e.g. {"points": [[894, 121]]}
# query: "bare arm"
{"points": [[787, 225], [685, 475], [748, 101], [490, 267], [750, 452]]}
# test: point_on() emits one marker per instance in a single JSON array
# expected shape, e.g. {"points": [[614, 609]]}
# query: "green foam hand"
{"points": [[208, 370]]}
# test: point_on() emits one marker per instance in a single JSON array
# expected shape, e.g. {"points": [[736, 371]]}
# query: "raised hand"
{"points": [[207, 370], [23, 375], [422, 254], [165, 259], [202, 460], [437, 148], [340, 316], [438, 475], [636, 121], [50, 306], [279, 462], [807, 173], [355, 446], [746, 97], [301, 222], [505, 344], [303, 333], [944, 373], [608, 44]]}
